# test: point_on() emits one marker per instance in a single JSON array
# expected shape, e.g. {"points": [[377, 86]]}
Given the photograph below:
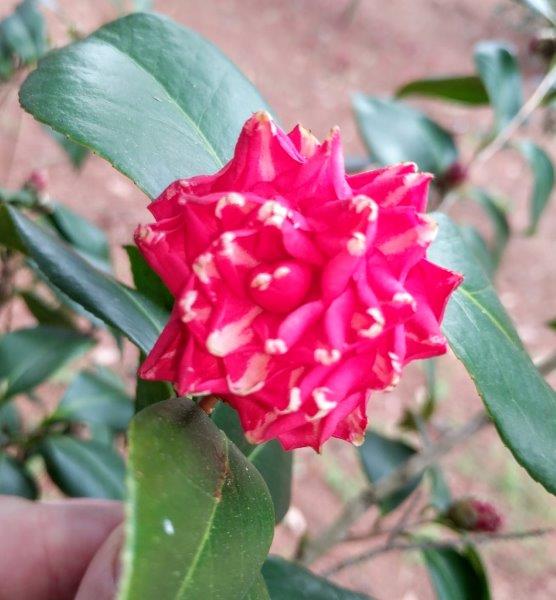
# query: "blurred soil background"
{"points": [[307, 57]]}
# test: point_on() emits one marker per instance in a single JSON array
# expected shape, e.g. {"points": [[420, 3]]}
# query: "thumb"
{"points": [[100, 581]]}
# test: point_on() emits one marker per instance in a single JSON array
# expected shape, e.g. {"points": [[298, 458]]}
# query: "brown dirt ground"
{"points": [[307, 61]]}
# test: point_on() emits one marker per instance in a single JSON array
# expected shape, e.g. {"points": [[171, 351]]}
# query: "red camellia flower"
{"points": [[299, 290]]}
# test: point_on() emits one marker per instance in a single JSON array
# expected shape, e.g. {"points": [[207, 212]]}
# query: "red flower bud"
{"points": [[37, 181], [473, 515]]}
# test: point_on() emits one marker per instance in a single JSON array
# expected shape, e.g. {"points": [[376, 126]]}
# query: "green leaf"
{"points": [[207, 530], [272, 462], [286, 580], [381, 456], [30, 356], [394, 132], [45, 312], [467, 90], [22, 38], [498, 217], [115, 304], [478, 246], [546, 8], [457, 575], [521, 404], [155, 99], [497, 66], [83, 468], [75, 152], [147, 281], [87, 239], [258, 590], [543, 178], [15, 480], [10, 421], [95, 398], [441, 497]]}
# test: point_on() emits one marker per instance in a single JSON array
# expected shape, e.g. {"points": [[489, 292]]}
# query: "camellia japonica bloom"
{"points": [[299, 289]]}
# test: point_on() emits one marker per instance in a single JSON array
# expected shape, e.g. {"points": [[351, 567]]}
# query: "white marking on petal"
{"points": [[362, 202], [275, 346], [186, 305], [376, 328], [323, 404], [327, 357], [261, 281], [231, 199], [357, 244], [294, 402], [232, 336], [273, 213], [428, 231], [402, 298], [146, 234], [253, 378], [204, 267], [281, 272], [234, 252]]}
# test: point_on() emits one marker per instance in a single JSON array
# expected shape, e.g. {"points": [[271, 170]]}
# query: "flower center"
{"points": [[280, 287]]}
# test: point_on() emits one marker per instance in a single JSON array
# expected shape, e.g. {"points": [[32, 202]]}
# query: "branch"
{"points": [[500, 140], [354, 509], [477, 539]]}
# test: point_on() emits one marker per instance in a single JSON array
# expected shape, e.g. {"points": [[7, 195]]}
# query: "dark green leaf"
{"points": [[258, 590], [83, 468], [457, 575], [381, 456], [75, 152], [147, 281], [22, 38], [286, 580], [478, 246], [10, 420], [273, 463], [497, 66], [497, 215], [207, 529], [86, 238], [15, 480], [394, 132], [126, 310], [543, 180], [30, 356], [45, 312], [552, 324], [467, 90], [521, 404], [95, 398], [150, 392], [441, 497], [155, 99]]}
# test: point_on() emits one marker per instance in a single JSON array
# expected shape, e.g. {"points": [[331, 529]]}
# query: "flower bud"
{"points": [[470, 514]]}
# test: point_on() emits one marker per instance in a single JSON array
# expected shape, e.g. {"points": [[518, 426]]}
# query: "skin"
{"points": [[59, 550]]}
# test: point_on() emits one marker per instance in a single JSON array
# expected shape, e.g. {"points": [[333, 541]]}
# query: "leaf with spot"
{"points": [[155, 99], [272, 462], [207, 530], [520, 402]]}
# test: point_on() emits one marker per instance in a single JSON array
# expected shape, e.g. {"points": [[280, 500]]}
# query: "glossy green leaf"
{"points": [[543, 180], [155, 99], [546, 8], [30, 356], [394, 132], [457, 575], [258, 590], [381, 456], [286, 580], [498, 217], [467, 90], [95, 398], [10, 421], [147, 281], [45, 312], [85, 237], [497, 66], [115, 304], [22, 38], [521, 404], [207, 529], [15, 480], [83, 468], [272, 462], [75, 152], [478, 246]]}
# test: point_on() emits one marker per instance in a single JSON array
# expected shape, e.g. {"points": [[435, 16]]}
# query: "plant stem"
{"points": [[505, 134], [354, 509], [483, 538]]}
